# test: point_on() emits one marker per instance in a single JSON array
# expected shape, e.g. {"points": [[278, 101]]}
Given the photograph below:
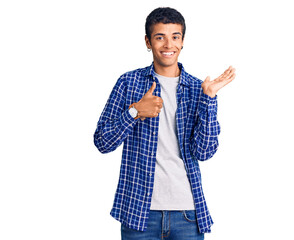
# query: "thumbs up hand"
{"points": [[149, 105]]}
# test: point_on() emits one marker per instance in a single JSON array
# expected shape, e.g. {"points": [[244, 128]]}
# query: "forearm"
{"points": [[110, 133], [204, 141], [115, 122]]}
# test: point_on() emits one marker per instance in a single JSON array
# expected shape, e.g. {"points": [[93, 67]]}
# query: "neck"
{"points": [[170, 71]]}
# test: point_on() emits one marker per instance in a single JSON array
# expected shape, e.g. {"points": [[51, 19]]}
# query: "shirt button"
{"points": [[154, 133], [148, 194], [152, 154], [150, 174]]}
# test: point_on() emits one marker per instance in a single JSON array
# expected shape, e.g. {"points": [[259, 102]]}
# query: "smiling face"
{"points": [[166, 43]]}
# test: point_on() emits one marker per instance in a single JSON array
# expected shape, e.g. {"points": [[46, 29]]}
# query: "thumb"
{"points": [[207, 79], [151, 90]]}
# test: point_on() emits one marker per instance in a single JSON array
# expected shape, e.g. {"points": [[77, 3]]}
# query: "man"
{"points": [[167, 120]]}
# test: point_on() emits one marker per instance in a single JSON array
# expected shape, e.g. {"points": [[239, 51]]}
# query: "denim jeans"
{"points": [[167, 225]]}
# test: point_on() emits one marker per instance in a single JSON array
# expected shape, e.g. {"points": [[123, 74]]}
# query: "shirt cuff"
{"points": [[127, 121], [207, 103]]}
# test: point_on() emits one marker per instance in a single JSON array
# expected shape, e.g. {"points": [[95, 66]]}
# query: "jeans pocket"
{"points": [[189, 215]]}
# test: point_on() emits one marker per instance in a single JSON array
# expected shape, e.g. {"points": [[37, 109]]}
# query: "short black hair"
{"points": [[164, 15]]}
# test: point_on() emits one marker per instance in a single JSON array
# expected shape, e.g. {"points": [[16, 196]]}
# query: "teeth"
{"points": [[168, 53]]}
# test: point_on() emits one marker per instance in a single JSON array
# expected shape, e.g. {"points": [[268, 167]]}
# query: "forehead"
{"points": [[168, 28]]}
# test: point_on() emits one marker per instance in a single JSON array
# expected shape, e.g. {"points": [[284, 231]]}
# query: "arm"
{"points": [[115, 122], [204, 141]]}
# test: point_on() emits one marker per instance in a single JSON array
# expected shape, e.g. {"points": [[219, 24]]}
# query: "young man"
{"points": [[167, 120]]}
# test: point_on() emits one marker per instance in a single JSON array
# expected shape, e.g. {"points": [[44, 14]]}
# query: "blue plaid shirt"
{"points": [[197, 129]]}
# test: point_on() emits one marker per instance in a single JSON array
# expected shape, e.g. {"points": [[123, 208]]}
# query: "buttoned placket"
{"points": [[180, 128], [154, 135]]}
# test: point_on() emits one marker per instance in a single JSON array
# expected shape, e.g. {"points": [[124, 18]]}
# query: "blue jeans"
{"points": [[167, 225]]}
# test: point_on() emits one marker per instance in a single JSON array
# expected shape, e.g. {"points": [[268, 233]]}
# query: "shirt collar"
{"points": [[184, 79]]}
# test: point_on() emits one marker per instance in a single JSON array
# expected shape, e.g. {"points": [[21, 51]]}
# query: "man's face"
{"points": [[166, 43]]}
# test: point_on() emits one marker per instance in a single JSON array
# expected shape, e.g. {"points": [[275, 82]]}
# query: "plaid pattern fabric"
{"points": [[197, 129]]}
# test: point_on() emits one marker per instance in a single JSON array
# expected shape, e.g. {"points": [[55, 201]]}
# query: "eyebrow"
{"points": [[161, 34]]}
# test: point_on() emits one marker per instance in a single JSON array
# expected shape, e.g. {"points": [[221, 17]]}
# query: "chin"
{"points": [[168, 64]]}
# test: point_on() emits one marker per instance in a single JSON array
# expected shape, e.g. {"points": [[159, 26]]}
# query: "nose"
{"points": [[168, 43]]}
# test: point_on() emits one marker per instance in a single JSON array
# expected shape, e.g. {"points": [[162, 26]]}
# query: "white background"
{"points": [[59, 62]]}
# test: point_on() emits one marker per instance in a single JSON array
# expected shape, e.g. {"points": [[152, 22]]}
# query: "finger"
{"points": [[231, 72], [151, 90], [231, 69], [158, 99], [227, 74], [158, 110], [207, 79], [233, 77], [159, 105], [154, 114], [230, 79], [224, 74]]}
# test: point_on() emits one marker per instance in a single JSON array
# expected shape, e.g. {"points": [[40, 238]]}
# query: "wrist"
{"points": [[133, 111], [210, 94], [137, 106]]}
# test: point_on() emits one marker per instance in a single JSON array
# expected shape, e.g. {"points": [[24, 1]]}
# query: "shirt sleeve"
{"points": [[204, 141], [115, 122]]}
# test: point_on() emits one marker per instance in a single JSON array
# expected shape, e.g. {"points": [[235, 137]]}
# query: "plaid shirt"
{"points": [[197, 129]]}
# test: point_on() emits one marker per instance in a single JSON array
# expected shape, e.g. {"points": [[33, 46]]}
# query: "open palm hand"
{"points": [[210, 88]]}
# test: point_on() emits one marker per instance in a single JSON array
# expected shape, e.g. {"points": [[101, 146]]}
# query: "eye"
{"points": [[159, 38], [176, 37]]}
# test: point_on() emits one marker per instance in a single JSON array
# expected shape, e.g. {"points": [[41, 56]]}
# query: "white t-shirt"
{"points": [[172, 189]]}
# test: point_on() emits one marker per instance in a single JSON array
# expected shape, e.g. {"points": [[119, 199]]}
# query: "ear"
{"points": [[148, 43]]}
